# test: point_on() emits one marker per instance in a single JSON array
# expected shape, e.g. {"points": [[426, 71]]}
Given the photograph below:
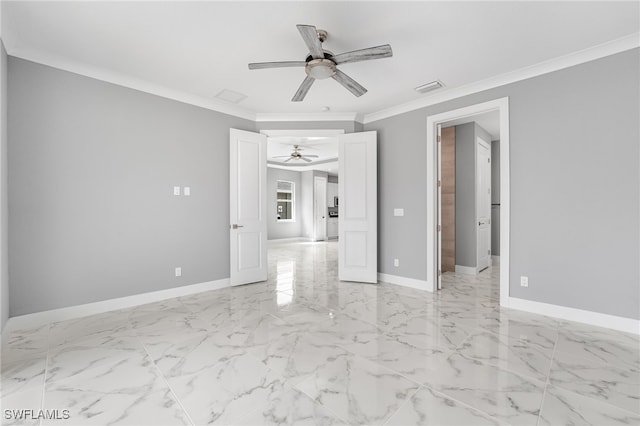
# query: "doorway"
{"points": [[320, 209], [357, 195], [435, 195]]}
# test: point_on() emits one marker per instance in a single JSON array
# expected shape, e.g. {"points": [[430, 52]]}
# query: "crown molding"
{"points": [[622, 44], [312, 116], [129, 82]]}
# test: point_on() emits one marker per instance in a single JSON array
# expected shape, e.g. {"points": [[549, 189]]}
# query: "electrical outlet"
{"points": [[396, 262], [524, 281], [178, 271]]}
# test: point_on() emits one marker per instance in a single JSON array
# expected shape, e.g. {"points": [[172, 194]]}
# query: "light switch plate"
{"points": [[187, 191], [176, 190], [398, 212]]}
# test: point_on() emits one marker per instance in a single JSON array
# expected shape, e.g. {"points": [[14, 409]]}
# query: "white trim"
{"points": [[78, 311], [311, 116], [502, 105], [468, 270], [302, 133], [622, 44], [403, 281], [131, 82], [628, 325]]}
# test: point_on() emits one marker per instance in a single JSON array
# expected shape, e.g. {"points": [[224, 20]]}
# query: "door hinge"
{"points": [[439, 272], [488, 160], [439, 138], [438, 228], [488, 251], [439, 183]]}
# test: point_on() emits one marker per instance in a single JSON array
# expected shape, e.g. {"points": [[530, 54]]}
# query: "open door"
{"points": [[483, 203], [358, 195], [247, 207], [439, 204], [320, 208]]}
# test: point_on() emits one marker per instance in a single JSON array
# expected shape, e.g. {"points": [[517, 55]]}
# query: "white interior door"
{"points": [[358, 221], [320, 208], [439, 203], [247, 207], [483, 202]]}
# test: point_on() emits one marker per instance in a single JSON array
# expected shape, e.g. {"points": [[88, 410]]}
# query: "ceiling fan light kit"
{"points": [[321, 64], [320, 69]]}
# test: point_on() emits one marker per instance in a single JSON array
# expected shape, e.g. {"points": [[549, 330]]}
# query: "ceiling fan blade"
{"points": [[305, 159], [281, 64], [377, 52], [310, 36], [311, 156], [288, 159], [303, 89], [349, 83], [282, 156]]}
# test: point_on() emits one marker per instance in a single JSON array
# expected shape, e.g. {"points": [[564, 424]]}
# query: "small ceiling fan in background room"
{"points": [[297, 155], [321, 64]]}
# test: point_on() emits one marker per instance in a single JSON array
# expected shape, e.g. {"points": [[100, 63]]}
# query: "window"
{"points": [[285, 199]]}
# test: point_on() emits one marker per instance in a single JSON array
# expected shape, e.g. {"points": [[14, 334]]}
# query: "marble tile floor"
{"points": [[304, 348]]}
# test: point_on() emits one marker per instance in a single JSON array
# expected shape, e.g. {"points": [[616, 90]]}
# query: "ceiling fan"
{"points": [[297, 155], [321, 64]]}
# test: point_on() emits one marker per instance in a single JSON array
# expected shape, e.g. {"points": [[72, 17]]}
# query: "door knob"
{"points": [[236, 226]]}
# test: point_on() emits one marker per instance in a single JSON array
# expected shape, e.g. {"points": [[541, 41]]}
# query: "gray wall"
{"points": [[495, 197], [465, 195], [4, 216], [91, 171], [275, 229], [574, 186]]}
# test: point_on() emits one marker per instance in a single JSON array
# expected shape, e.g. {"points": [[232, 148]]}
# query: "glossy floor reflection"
{"points": [[304, 348]]}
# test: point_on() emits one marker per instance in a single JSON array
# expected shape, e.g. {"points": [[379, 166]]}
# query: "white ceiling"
{"points": [[201, 48]]}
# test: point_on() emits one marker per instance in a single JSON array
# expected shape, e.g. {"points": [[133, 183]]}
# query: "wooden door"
{"points": [[448, 198]]}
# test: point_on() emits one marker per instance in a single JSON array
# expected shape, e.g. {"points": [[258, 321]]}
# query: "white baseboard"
{"points": [[469, 270], [628, 325], [404, 281], [41, 318]]}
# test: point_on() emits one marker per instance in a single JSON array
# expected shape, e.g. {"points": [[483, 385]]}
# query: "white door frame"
{"points": [[501, 105]]}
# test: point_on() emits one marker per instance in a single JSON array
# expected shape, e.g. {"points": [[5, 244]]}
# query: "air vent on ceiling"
{"points": [[230, 96], [436, 84]]}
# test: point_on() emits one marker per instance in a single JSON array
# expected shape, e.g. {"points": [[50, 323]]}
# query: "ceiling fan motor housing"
{"points": [[320, 69]]}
